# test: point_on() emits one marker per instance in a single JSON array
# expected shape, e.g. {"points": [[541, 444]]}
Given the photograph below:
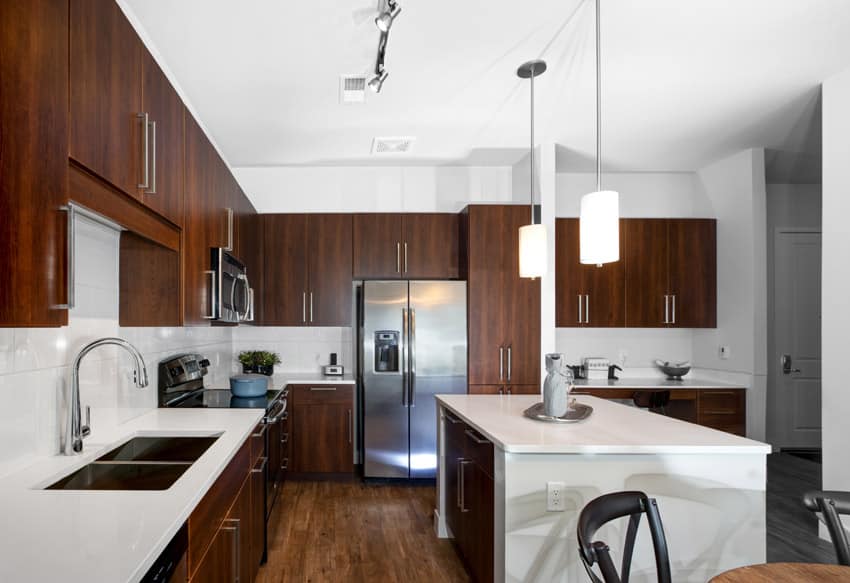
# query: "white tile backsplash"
{"points": [[301, 349]]}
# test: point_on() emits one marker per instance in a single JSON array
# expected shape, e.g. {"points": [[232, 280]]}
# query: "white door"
{"points": [[796, 360]]}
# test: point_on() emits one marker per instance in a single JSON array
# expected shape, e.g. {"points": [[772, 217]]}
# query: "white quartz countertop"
{"points": [[653, 383], [318, 378], [84, 536], [611, 429]]}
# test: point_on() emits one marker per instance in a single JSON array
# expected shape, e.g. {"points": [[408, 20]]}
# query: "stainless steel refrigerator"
{"points": [[413, 346]]}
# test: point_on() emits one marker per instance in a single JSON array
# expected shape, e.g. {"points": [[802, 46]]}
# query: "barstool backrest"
{"points": [[604, 509]]}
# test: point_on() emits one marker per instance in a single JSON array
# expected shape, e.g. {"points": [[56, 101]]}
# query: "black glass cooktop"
{"points": [[224, 399]]}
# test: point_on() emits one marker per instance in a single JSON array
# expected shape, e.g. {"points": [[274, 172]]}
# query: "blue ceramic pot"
{"points": [[249, 385]]}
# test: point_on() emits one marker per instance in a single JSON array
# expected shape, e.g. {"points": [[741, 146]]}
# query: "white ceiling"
{"points": [[684, 81]]}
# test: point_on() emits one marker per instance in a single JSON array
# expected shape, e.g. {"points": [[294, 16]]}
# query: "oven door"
{"points": [[273, 434]]}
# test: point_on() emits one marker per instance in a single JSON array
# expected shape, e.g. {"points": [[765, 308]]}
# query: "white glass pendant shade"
{"points": [[533, 259], [599, 227]]}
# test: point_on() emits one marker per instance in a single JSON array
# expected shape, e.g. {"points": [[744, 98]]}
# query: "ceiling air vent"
{"points": [[352, 89], [392, 145]]}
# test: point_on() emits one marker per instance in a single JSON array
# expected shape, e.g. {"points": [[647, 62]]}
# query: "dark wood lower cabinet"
{"points": [[470, 496], [322, 421], [504, 389], [217, 565], [721, 409]]}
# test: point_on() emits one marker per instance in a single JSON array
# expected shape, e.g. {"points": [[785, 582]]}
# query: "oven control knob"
{"points": [[204, 363], [176, 371]]}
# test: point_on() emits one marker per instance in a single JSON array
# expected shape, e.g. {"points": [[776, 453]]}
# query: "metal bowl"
{"points": [[674, 371]]}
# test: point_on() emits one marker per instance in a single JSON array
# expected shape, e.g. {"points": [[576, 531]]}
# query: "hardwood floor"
{"points": [[352, 532], [792, 531]]}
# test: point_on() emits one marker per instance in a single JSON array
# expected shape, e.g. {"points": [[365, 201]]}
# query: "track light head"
{"points": [[377, 82], [385, 19]]}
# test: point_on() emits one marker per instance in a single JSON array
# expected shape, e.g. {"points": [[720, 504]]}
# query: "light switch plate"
{"points": [[555, 497], [724, 352]]}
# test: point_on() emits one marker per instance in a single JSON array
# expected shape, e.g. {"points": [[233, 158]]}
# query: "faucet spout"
{"points": [[76, 431]]}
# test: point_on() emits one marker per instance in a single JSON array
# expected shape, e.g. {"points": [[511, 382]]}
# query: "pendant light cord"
{"points": [[598, 102], [532, 145]]}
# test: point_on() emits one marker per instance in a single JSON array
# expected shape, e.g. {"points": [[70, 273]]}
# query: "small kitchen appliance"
{"points": [[596, 367], [333, 369]]}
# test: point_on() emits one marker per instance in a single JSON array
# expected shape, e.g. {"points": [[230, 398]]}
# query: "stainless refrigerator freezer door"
{"points": [[438, 356], [386, 429]]}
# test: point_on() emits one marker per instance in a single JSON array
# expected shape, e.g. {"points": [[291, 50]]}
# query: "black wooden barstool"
{"points": [[831, 505], [609, 507], [654, 400]]}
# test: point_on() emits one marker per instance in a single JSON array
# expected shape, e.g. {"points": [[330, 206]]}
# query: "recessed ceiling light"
{"points": [[392, 145]]}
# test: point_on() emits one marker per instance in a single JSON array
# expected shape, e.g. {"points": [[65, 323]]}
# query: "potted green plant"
{"points": [[259, 361]]}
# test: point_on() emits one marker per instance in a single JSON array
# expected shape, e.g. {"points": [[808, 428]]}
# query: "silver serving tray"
{"points": [[577, 412]]}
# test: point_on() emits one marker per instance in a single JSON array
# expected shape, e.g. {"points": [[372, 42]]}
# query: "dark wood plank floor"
{"points": [[792, 531], [353, 532]]}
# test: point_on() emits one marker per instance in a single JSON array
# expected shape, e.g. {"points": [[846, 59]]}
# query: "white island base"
{"points": [[710, 487]]}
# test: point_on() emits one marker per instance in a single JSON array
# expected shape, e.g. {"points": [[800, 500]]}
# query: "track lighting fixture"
{"points": [[385, 19], [377, 81]]}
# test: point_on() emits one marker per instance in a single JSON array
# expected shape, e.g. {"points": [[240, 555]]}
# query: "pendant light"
{"points": [[599, 225], [533, 260]]}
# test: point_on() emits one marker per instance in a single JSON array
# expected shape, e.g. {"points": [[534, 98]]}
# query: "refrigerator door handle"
{"points": [[404, 356], [412, 350]]}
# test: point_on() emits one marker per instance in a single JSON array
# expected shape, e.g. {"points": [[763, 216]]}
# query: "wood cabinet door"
{"points": [[479, 500], [522, 306], [454, 443], [486, 389], [330, 289], [377, 246], [200, 225], [239, 522], [323, 438], [33, 162], [105, 64], [165, 109], [646, 272], [218, 564], [605, 298], [257, 483], [569, 275], [693, 272], [487, 226], [285, 272], [523, 389], [430, 245]]}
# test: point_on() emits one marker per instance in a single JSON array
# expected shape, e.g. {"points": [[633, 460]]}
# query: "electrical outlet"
{"points": [[724, 352], [555, 496]]}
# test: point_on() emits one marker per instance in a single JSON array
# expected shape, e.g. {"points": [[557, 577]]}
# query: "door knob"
{"points": [[786, 365]]}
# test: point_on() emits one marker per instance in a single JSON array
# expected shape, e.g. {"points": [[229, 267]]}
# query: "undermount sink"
{"points": [[122, 476], [160, 449], [142, 463]]}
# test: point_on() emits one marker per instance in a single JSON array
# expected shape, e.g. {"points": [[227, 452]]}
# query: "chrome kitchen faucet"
{"points": [[76, 431]]}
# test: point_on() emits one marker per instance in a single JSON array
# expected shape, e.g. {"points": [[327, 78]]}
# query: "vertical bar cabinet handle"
{"points": [[398, 257], [587, 308], [579, 308], [674, 308], [153, 159], [509, 364], [145, 183], [501, 362], [405, 256], [311, 307], [304, 307]]}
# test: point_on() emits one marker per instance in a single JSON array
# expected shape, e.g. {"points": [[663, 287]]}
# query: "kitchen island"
{"points": [[495, 466]]}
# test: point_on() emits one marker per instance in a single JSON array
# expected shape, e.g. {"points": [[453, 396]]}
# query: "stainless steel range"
{"points": [[181, 385]]}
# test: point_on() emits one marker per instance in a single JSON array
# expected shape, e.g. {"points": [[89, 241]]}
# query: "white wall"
{"points": [[644, 194], [736, 188], [301, 349], [34, 362], [836, 280], [296, 189]]}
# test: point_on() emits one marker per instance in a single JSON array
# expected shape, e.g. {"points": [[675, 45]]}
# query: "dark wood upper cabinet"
{"points": [[377, 246], [307, 270], [406, 246], [285, 270], [430, 245], [202, 224], [166, 113], [503, 309], [693, 272], [671, 273], [587, 295], [646, 272], [330, 293], [106, 96], [33, 162]]}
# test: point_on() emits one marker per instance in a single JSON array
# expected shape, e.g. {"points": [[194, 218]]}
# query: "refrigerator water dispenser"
{"points": [[386, 351]]}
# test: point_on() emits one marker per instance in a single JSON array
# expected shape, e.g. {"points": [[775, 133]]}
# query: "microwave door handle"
{"points": [[244, 279]]}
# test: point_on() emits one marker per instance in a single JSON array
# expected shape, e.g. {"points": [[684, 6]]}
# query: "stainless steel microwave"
{"points": [[232, 294]]}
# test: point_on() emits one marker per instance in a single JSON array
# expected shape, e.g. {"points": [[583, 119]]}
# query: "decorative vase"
{"points": [[267, 370], [556, 387]]}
